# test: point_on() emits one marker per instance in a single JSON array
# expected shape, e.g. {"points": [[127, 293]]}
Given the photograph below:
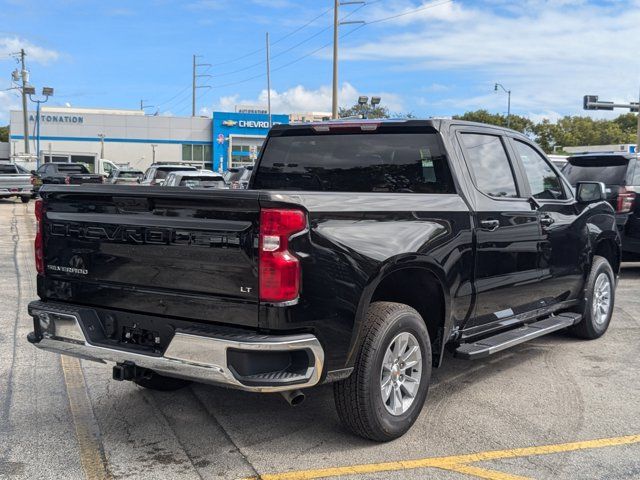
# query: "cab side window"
{"points": [[489, 164], [543, 181]]}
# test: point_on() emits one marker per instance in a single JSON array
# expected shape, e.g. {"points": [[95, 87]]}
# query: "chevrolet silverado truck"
{"points": [[363, 254], [15, 181]]}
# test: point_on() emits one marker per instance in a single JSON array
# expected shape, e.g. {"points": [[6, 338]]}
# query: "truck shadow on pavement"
{"points": [[264, 422]]}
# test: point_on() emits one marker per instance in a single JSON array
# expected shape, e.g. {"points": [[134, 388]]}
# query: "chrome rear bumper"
{"points": [[189, 355]]}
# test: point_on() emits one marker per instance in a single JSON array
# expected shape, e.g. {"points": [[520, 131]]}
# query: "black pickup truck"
{"points": [[63, 173], [360, 253]]}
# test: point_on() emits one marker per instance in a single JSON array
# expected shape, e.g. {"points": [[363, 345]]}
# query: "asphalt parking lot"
{"points": [[554, 408]]}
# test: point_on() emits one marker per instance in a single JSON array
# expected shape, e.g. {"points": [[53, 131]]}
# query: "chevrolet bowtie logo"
{"points": [[229, 123]]}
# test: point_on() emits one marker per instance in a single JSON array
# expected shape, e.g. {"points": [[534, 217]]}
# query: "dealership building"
{"points": [[131, 138]]}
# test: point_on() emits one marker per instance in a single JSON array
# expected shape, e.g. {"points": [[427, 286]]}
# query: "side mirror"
{"points": [[587, 192], [33, 172]]}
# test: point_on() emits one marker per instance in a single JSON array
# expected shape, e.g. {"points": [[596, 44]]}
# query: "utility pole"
{"points": [[193, 88], [101, 137], [153, 152], [25, 113], [334, 95], [268, 82], [194, 85], [336, 23], [638, 133]]}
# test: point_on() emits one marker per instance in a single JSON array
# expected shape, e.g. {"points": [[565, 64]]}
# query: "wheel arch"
{"points": [[423, 274]]}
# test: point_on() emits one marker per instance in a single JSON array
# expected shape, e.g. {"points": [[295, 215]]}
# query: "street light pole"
{"points": [[46, 92], [268, 81], [508, 92], [153, 152]]}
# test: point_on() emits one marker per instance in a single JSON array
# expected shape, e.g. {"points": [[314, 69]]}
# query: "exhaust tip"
{"points": [[294, 397]]}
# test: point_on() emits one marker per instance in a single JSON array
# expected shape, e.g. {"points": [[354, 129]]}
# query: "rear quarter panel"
{"points": [[354, 241]]}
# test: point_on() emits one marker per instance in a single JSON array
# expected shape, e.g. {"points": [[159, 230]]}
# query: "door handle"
{"points": [[546, 221], [490, 225]]}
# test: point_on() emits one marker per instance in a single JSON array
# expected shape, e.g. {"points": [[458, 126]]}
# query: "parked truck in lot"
{"points": [[15, 181], [361, 252]]}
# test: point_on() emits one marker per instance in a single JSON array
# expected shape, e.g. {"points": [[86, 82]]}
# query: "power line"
{"points": [[279, 54], [409, 12]]}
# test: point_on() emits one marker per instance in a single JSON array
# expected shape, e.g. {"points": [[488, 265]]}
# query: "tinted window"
{"points": [[202, 182], [610, 170], [8, 169], [489, 164], [355, 162], [70, 168], [543, 181]]}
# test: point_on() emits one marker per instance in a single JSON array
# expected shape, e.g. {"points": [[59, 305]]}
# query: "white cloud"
{"points": [[548, 52], [35, 53], [8, 101], [302, 99]]}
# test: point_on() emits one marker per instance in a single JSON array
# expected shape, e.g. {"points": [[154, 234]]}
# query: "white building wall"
{"points": [[129, 135]]}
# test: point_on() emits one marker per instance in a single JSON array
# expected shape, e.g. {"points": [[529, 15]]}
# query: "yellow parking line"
{"points": [[484, 473], [92, 455], [454, 463]]}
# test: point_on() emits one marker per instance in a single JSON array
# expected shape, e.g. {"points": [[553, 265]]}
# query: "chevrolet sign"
{"points": [[229, 123]]}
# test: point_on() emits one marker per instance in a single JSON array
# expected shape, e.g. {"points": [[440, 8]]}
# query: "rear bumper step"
{"points": [[191, 354], [502, 341]]}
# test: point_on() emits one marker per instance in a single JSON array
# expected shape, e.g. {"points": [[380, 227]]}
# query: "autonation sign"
{"points": [[48, 118]]}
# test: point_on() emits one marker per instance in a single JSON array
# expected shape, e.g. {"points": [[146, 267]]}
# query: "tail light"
{"points": [[39, 241], [67, 180], [626, 199], [279, 269]]}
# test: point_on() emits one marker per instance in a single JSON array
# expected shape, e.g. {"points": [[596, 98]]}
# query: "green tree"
{"points": [[518, 123], [364, 111], [4, 134], [628, 122]]}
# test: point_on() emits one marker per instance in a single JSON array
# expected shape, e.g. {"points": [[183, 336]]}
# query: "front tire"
{"points": [[25, 199], [599, 300], [384, 395]]}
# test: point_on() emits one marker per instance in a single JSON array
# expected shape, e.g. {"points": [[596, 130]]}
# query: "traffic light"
{"points": [[587, 99]]}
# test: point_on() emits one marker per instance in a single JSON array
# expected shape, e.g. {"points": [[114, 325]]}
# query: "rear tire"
{"points": [[162, 383], [25, 199], [384, 395], [599, 300]]}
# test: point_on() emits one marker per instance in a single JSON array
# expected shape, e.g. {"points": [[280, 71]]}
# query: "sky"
{"points": [[428, 58]]}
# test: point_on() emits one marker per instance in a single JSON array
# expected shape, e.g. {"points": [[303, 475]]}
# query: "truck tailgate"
{"points": [[166, 251]]}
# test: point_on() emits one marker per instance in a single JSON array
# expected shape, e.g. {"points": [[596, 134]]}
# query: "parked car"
{"points": [[15, 181], [125, 177], [63, 173], [198, 179], [361, 251], [621, 174], [238, 177], [156, 174]]}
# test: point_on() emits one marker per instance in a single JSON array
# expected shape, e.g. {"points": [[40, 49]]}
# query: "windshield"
{"points": [[70, 168], [355, 162], [609, 170]]}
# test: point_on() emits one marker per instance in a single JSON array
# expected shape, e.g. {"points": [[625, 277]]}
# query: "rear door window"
{"points": [[355, 162], [611, 170], [489, 164]]}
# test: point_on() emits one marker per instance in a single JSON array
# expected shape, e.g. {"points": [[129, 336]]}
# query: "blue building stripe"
{"points": [[115, 140]]}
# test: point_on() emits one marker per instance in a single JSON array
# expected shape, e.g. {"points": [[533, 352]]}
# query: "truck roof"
{"points": [[437, 123]]}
